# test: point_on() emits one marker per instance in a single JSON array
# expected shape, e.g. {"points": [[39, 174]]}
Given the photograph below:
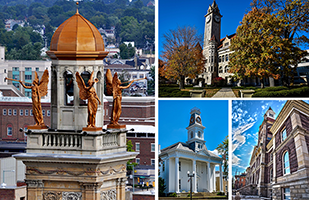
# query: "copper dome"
{"points": [[77, 39]]}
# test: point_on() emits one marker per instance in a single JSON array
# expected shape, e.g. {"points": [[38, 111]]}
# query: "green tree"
{"points": [[130, 149], [182, 54], [126, 52], [223, 150], [151, 82], [162, 187]]}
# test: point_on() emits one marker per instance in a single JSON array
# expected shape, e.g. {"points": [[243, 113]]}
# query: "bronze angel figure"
{"points": [[39, 89], [90, 94], [113, 87]]}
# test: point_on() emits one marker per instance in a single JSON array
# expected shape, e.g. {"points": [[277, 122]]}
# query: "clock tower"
{"points": [[211, 40], [196, 131]]}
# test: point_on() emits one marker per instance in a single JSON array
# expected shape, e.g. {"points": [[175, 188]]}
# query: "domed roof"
{"points": [[77, 39]]}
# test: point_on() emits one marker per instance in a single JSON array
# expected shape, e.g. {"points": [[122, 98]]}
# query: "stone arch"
{"points": [[68, 88]]}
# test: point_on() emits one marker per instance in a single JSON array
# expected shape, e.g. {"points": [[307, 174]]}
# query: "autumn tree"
{"points": [[260, 50], [182, 54], [294, 14]]}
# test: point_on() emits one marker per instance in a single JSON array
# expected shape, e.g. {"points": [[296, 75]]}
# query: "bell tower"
{"points": [[196, 130], [211, 40]]}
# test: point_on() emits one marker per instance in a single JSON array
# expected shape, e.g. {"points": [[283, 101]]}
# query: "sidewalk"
{"points": [[224, 93]]}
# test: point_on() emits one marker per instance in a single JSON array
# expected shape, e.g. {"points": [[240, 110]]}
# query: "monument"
{"points": [[75, 158]]}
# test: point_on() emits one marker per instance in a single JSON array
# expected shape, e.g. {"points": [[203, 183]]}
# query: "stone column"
{"points": [[194, 178], [177, 174], [209, 177], [274, 161], [301, 150], [34, 189], [214, 177], [90, 191], [221, 186]]}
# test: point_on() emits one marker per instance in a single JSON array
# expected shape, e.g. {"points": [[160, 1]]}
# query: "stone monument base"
{"points": [[37, 127], [113, 126], [94, 129]]}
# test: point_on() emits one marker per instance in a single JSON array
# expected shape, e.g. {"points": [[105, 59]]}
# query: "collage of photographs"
{"points": [[154, 99]]}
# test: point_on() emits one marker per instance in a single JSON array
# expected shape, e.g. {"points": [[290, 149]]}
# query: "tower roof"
{"points": [[77, 39]]}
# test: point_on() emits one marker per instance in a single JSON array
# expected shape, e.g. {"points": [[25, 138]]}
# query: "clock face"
{"points": [[208, 18], [191, 120], [217, 18], [198, 119]]}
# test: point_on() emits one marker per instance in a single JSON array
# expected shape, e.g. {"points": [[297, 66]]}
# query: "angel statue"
{"points": [[113, 87], [90, 94], [39, 89]]}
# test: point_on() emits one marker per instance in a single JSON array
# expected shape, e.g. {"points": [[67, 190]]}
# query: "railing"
{"points": [[61, 140], [109, 140]]}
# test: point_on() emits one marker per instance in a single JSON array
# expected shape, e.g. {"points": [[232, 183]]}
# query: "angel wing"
{"points": [[109, 82], [43, 83], [81, 85]]}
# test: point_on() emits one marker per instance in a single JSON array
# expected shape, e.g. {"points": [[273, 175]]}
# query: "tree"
{"points": [[223, 150], [182, 54], [151, 82], [260, 50], [130, 149], [162, 187], [126, 51]]}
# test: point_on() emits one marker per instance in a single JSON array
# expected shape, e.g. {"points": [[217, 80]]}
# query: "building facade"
{"points": [[191, 156], [279, 165]]}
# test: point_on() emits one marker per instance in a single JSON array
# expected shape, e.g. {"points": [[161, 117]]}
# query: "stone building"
{"points": [[279, 164], [193, 156]]}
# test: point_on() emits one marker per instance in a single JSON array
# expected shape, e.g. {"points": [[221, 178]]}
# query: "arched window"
{"points": [[283, 134], [191, 134], [9, 130], [69, 88], [220, 69], [199, 134], [286, 163], [219, 59], [85, 76]]}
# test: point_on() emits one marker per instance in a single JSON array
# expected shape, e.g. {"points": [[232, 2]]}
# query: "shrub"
{"points": [[219, 81], [220, 193], [295, 92], [172, 195]]}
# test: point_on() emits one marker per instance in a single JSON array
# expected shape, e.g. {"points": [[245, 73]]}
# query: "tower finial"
{"points": [[77, 3]]}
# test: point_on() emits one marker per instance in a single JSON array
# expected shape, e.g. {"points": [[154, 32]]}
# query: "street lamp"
{"points": [[3, 184], [191, 176]]}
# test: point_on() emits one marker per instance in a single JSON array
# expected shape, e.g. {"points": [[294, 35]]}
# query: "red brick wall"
{"points": [[143, 197], [288, 125], [304, 121], [290, 147], [17, 121], [7, 194], [145, 155]]}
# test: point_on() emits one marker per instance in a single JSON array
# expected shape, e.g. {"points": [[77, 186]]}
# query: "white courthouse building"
{"points": [[192, 156]]}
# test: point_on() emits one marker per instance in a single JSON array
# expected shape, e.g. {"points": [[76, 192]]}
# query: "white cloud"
{"points": [[214, 152]]}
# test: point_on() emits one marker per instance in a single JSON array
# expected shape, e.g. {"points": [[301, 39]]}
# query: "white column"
{"points": [[221, 186], [194, 178], [209, 178], [214, 177], [177, 174]]}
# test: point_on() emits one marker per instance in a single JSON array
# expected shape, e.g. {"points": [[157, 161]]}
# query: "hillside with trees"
{"points": [[133, 21]]}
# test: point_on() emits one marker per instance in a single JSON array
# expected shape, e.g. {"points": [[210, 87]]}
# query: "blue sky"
{"points": [[247, 116], [177, 13], [174, 117]]}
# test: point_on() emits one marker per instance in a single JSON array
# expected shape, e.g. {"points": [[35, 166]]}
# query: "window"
{"points": [[5, 71], [28, 77], [271, 175], [179, 184], [226, 44], [227, 57], [69, 88], [4, 111], [134, 76], [16, 76], [153, 147], [271, 115], [191, 134], [28, 69], [43, 112], [37, 69], [223, 58], [31, 114], [15, 68], [14, 112], [10, 112], [286, 163], [283, 134], [25, 130], [26, 112], [286, 193], [179, 166], [137, 160], [9, 130], [21, 112], [163, 166], [27, 94], [153, 162], [137, 146], [219, 59], [141, 76], [48, 113], [199, 134]]}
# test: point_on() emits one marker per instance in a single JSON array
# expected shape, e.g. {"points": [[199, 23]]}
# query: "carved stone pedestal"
{"points": [[69, 165]]}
